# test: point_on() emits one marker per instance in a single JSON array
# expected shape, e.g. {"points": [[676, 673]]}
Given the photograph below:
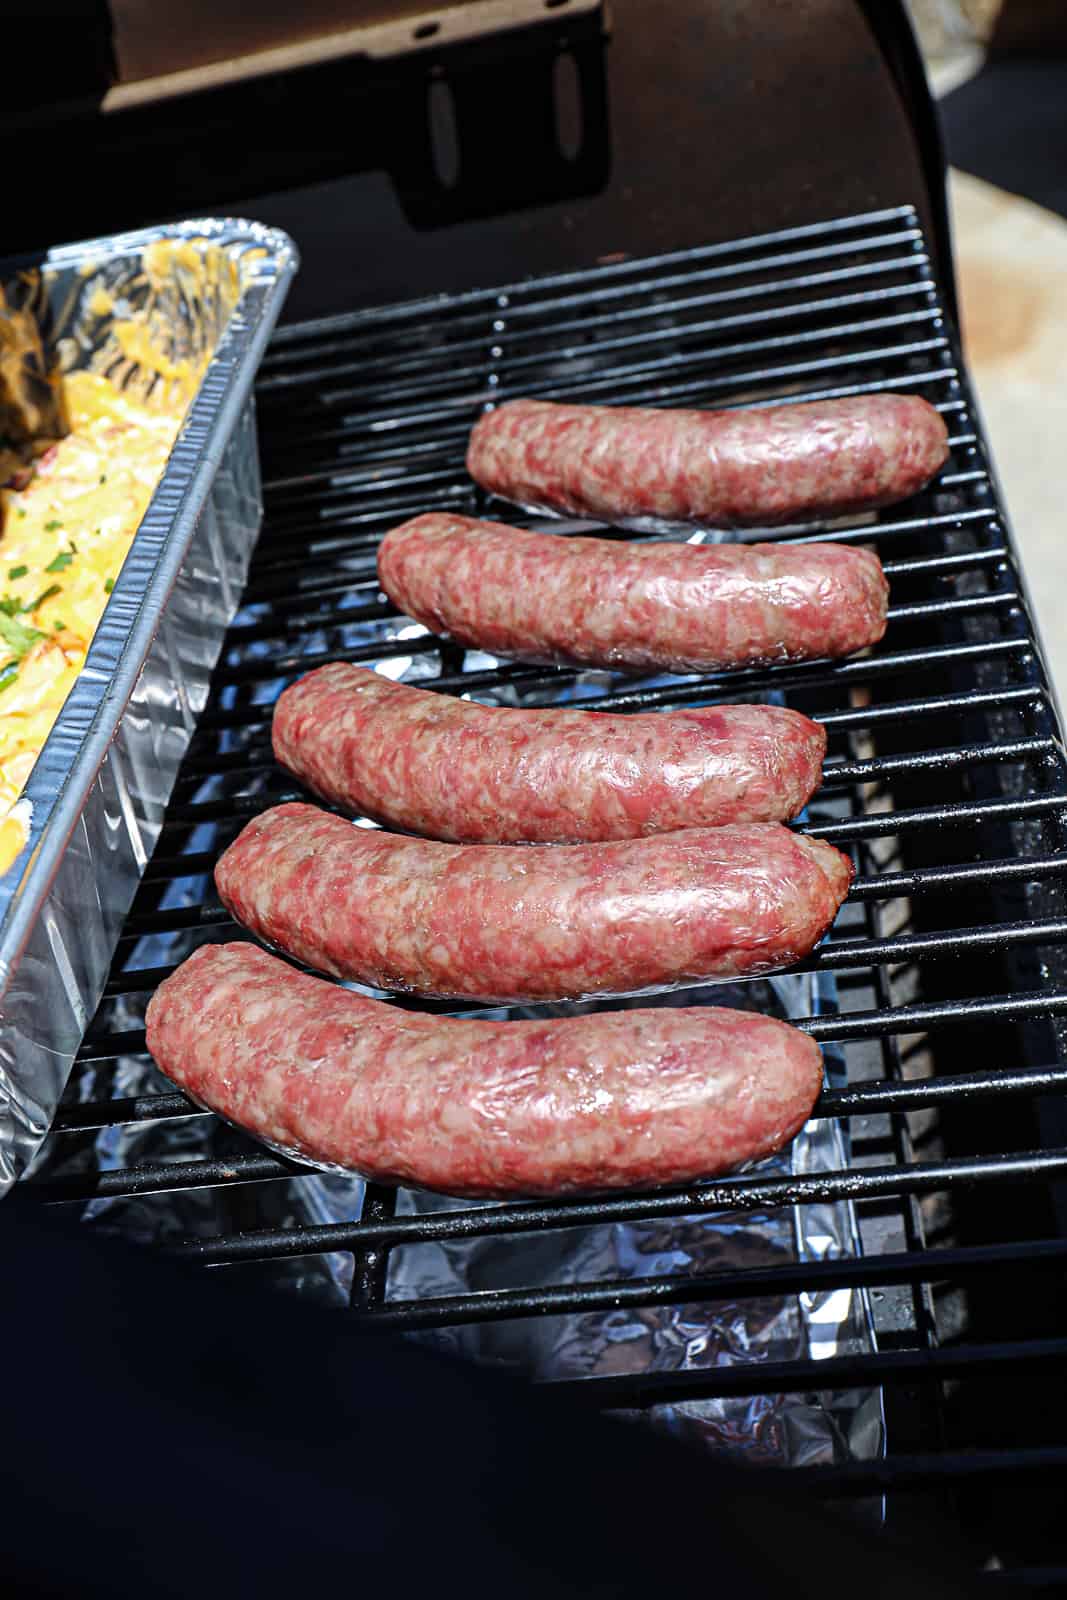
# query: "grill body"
{"points": [[945, 779]]}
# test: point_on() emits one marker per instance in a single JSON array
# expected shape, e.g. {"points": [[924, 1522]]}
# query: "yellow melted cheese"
{"points": [[65, 538]]}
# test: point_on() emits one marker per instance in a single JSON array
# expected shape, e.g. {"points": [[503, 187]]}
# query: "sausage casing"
{"points": [[455, 770], [634, 1099], [754, 468], [631, 604], [554, 922]]}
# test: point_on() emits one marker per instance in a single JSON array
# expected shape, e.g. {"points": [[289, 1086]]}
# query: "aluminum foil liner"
{"points": [[788, 1429], [785, 1429], [97, 793]]}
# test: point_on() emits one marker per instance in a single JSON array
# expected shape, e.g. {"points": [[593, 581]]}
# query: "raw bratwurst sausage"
{"points": [[627, 1099], [727, 469], [456, 770], [555, 922], [669, 607]]}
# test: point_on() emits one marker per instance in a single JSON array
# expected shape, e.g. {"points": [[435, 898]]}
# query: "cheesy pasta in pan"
{"points": [[65, 537]]}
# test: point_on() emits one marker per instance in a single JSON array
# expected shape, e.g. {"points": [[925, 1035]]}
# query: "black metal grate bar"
{"points": [[920, 1471], [882, 886], [80, 1117], [257, 758], [493, 1305], [832, 956], [1039, 1356], [840, 1028]]}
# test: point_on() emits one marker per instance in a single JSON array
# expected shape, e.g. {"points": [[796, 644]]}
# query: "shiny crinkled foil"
{"points": [[182, 312]]}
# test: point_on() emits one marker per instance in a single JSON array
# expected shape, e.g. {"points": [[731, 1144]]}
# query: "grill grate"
{"points": [[946, 779]]}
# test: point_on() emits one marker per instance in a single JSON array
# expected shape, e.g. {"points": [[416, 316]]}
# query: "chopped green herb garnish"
{"points": [[46, 594], [9, 605], [60, 562], [59, 626], [50, 527], [109, 584], [103, 477], [8, 674], [17, 572], [17, 636], [22, 511]]}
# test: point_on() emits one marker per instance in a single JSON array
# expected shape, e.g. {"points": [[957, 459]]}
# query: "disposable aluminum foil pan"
{"points": [[97, 793]]}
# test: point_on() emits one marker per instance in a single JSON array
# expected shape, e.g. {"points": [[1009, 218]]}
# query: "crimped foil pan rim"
{"points": [[97, 701]]}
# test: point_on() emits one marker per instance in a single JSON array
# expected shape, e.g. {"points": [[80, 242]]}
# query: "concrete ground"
{"points": [[1011, 263]]}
